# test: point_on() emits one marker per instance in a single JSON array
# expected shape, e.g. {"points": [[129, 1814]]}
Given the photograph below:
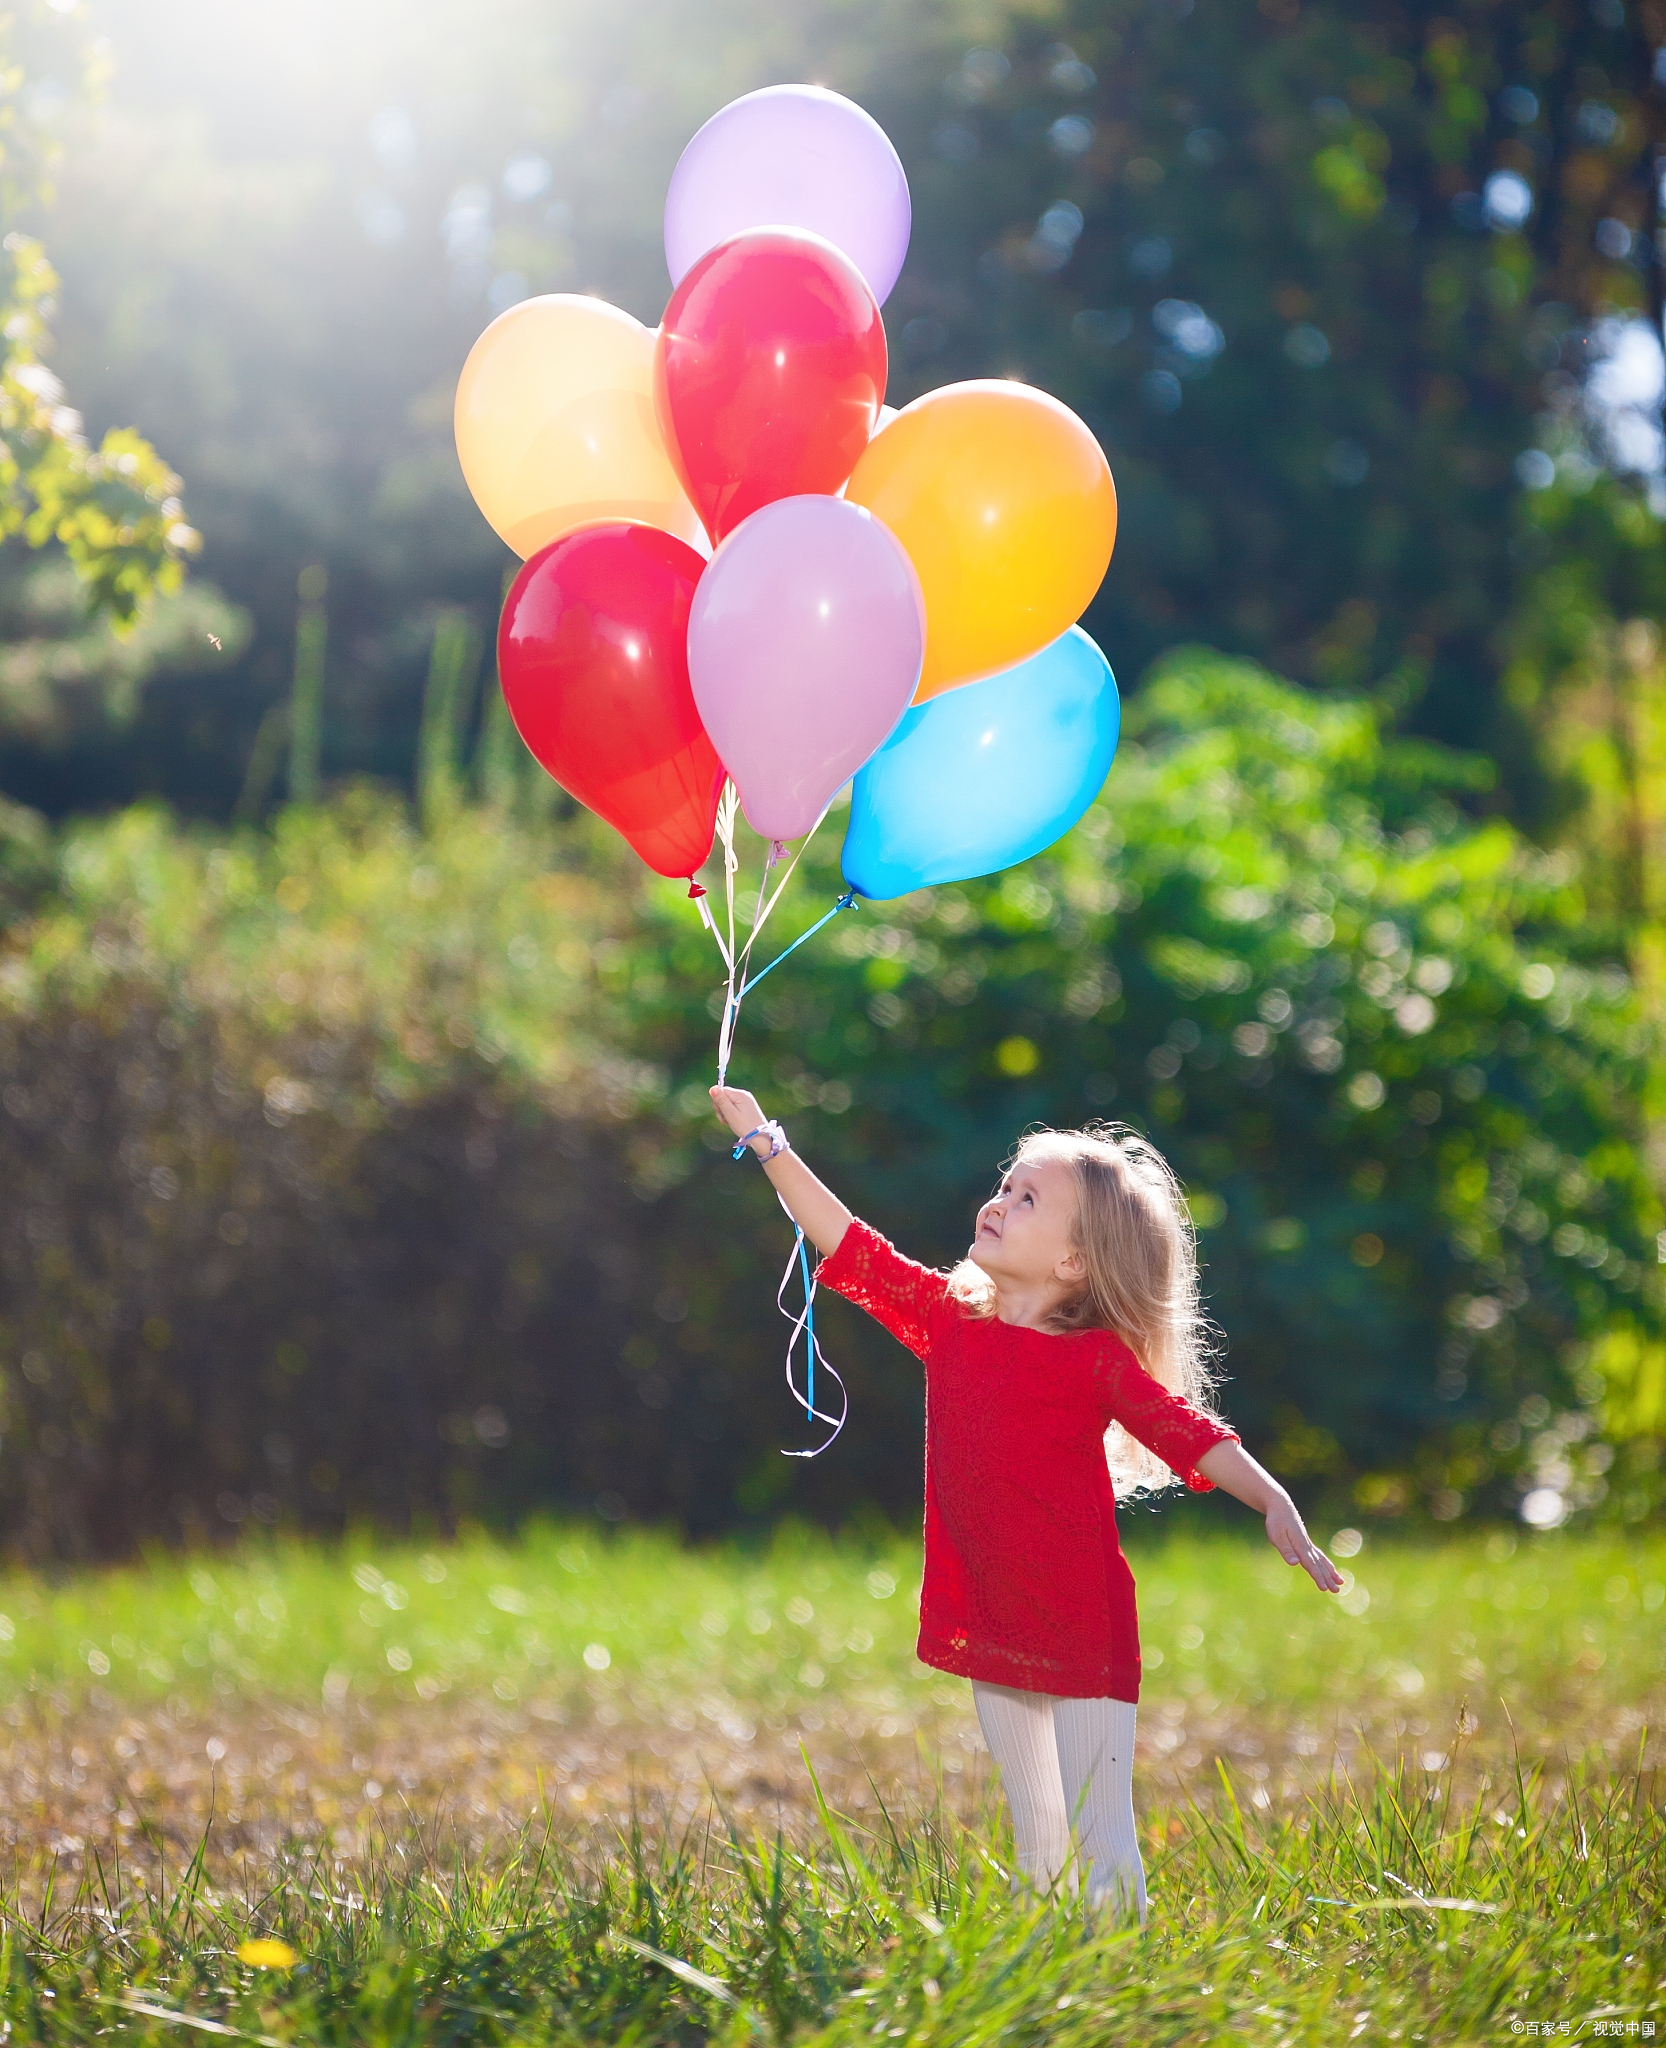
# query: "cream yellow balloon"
{"points": [[556, 429], [1003, 501]]}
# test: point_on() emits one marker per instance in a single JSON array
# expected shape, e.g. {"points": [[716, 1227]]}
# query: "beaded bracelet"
{"points": [[778, 1139]]}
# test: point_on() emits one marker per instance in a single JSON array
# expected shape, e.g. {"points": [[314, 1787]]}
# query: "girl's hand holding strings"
{"points": [[742, 1113], [816, 1210]]}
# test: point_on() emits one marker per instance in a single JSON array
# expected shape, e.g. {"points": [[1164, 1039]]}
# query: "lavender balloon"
{"points": [[791, 156], [805, 643]]}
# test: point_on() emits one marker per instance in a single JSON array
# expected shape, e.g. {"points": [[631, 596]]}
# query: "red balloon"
{"points": [[593, 652], [769, 372]]}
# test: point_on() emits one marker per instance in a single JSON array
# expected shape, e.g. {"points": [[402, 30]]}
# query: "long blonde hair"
{"points": [[1136, 1236]]}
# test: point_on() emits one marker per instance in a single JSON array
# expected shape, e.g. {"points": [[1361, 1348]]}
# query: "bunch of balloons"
{"points": [[747, 582], [741, 568]]}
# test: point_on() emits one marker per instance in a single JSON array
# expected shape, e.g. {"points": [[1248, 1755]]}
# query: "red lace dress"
{"points": [[1025, 1581]]}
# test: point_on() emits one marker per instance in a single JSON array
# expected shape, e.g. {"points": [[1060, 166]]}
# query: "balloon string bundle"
{"points": [[739, 983], [737, 987]]}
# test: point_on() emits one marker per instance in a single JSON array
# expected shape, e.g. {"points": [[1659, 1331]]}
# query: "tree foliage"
{"points": [[1325, 279], [1256, 248], [115, 511]]}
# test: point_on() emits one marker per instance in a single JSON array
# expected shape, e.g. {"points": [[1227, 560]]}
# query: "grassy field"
{"points": [[596, 1788]]}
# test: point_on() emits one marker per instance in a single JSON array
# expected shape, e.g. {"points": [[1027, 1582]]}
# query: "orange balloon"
{"points": [[556, 428], [1004, 503]]}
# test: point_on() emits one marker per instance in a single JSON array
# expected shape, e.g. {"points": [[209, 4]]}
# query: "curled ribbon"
{"points": [[805, 1321]]}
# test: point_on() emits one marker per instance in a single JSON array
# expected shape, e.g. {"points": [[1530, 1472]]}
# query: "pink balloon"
{"points": [[791, 156], [805, 643]]}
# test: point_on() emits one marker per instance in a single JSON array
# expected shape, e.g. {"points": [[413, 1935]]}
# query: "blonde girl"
{"points": [[1065, 1363]]}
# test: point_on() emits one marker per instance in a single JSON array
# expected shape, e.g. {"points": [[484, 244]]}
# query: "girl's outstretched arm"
{"points": [[818, 1212], [1231, 1466]]}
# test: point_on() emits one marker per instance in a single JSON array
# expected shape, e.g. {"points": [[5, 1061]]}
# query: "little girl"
{"points": [[1067, 1338]]}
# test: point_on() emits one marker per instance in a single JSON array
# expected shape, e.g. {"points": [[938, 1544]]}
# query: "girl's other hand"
{"points": [[738, 1110], [1288, 1534]]}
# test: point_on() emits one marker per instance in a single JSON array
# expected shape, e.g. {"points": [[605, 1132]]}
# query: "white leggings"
{"points": [[1064, 1763]]}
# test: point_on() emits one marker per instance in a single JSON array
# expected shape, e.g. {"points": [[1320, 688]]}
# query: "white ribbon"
{"points": [[806, 1321]]}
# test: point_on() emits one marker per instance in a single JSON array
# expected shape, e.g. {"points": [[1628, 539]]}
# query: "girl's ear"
{"points": [[1071, 1267]]}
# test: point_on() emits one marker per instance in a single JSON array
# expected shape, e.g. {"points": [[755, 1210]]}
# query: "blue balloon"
{"points": [[981, 777]]}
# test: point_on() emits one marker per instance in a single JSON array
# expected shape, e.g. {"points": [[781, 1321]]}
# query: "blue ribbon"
{"points": [[846, 902], [809, 1323]]}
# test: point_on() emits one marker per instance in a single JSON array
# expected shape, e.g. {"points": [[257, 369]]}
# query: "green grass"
{"points": [[1314, 1929], [1278, 1914], [634, 1618], [563, 1610]]}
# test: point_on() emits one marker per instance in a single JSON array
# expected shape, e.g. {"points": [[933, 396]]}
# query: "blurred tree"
{"points": [[1584, 674], [115, 512], [447, 709], [114, 515], [306, 697], [66, 671], [1327, 280]]}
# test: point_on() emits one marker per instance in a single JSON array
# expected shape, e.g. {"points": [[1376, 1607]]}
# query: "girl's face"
{"points": [[1023, 1232]]}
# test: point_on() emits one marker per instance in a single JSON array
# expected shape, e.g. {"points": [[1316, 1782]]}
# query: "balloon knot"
{"points": [[777, 851], [695, 891]]}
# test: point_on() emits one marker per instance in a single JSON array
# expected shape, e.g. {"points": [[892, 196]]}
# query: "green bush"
{"points": [[362, 1170], [294, 1134]]}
